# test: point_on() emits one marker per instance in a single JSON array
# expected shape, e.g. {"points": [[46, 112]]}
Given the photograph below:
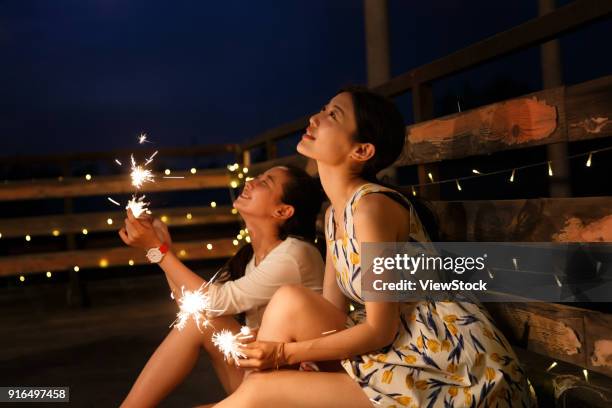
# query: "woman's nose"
{"points": [[314, 120]]}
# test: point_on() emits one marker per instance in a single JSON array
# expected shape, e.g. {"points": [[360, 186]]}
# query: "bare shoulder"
{"points": [[380, 215]]}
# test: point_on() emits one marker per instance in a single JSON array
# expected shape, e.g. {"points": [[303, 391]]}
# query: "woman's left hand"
{"points": [[262, 355]]}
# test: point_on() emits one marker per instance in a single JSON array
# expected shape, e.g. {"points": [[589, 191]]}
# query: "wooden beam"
{"points": [[192, 151], [584, 219], [562, 114], [561, 332], [109, 257], [108, 185], [97, 222]]}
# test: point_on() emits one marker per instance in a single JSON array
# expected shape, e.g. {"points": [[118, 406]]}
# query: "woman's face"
{"points": [[330, 136], [262, 195]]}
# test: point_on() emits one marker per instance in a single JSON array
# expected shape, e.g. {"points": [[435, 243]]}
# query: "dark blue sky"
{"points": [[89, 75]]}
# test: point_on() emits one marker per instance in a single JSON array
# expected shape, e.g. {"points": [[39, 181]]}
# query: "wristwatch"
{"points": [[155, 255]]}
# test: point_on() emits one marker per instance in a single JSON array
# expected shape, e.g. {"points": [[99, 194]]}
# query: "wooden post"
{"points": [[550, 59], [376, 17], [422, 106], [76, 294]]}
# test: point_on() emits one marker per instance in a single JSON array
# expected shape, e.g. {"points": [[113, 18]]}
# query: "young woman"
{"points": [[277, 206], [434, 354]]}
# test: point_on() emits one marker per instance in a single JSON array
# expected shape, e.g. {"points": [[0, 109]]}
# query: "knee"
{"points": [[289, 297]]}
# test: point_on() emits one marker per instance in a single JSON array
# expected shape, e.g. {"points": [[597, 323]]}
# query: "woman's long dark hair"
{"points": [[380, 123], [303, 193]]}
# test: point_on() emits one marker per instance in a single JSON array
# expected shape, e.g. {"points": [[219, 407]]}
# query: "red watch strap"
{"points": [[164, 248]]}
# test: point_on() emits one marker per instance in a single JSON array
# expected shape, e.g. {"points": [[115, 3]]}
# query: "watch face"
{"points": [[154, 255]]}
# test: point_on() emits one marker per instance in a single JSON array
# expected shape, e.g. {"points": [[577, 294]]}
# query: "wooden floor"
{"points": [[97, 352]]}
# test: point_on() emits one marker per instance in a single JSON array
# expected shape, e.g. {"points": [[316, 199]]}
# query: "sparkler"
{"points": [[229, 343], [194, 304], [138, 206], [139, 174], [142, 138]]}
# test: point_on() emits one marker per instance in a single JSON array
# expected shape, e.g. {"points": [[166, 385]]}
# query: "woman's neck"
{"points": [[264, 238], [338, 184]]}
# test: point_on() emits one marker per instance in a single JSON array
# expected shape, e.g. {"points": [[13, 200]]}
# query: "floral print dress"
{"points": [[445, 354]]}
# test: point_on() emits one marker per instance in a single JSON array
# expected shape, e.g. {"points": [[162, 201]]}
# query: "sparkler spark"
{"points": [[142, 138], [229, 344], [113, 201], [140, 175], [118, 162], [173, 177], [150, 159], [194, 304], [138, 206]]}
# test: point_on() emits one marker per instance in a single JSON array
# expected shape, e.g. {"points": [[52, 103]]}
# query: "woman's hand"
{"points": [[261, 355], [139, 233]]}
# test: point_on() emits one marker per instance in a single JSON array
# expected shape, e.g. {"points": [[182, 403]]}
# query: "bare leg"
{"points": [[295, 314], [175, 358]]}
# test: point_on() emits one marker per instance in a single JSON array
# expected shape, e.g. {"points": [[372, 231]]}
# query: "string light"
{"points": [[209, 247], [1, 233], [239, 236], [249, 178], [213, 204], [193, 170], [55, 233], [22, 278], [167, 172], [131, 262], [28, 238], [242, 232], [164, 218], [109, 221], [248, 239], [240, 175], [588, 162], [88, 177], [245, 170], [76, 268], [103, 263], [233, 184], [84, 231], [235, 242], [458, 185], [189, 216], [430, 177], [234, 211], [48, 274], [512, 171], [182, 252]]}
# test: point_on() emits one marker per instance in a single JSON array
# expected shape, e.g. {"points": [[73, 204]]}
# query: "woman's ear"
{"points": [[284, 211], [363, 152]]}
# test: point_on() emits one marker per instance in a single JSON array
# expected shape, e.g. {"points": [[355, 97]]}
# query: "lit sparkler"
{"points": [[140, 175], [138, 206], [194, 304], [229, 343]]}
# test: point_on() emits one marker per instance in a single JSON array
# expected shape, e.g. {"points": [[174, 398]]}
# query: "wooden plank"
{"points": [[97, 222], [584, 219], [109, 257], [536, 31], [191, 151], [589, 109], [108, 185], [534, 119], [561, 332]]}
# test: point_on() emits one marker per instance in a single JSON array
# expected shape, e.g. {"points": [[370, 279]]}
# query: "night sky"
{"points": [[90, 75]]}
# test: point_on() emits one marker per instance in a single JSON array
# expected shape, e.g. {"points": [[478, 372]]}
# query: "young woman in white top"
{"points": [[277, 206]]}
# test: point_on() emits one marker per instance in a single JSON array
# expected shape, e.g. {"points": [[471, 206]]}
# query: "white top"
{"points": [[293, 261]]}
